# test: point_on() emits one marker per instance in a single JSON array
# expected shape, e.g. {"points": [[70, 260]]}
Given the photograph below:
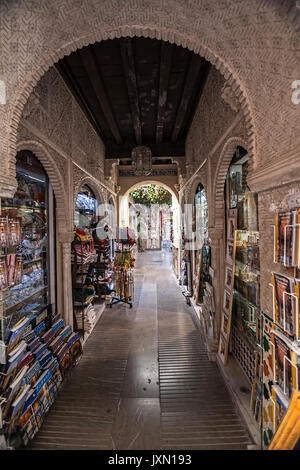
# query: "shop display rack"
{"points": [[123, 269], [83, 256]]}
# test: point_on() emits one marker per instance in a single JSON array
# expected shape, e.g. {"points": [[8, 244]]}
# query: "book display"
{"points": [[26, 294], [286, 312], [38, 358], [279, 345], [24, 257]]}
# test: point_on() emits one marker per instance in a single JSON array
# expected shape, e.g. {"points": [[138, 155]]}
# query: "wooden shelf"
{"points": [[23, 302]]}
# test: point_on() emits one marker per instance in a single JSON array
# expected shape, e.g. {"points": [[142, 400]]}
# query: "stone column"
{"points": [[216, 235], [65, 239]]}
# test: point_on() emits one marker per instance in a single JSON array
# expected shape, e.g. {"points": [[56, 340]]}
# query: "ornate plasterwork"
{"points": [[223, 162], [230, 97]]}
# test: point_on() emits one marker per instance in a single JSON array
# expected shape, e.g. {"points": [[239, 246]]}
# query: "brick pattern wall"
{"points": [[57, 131], [212, 118], [253, 43]]}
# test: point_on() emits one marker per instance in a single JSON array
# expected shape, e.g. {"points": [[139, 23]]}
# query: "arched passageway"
{"points": [[202, 99]]}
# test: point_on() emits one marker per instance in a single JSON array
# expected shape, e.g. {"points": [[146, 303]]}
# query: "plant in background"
{"points": [[151, 194]]}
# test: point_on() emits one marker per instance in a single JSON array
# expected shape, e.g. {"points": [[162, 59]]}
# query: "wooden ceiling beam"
{"points": [[66, 73], [90, 64], [164, 149], [191, 77], [130, 74], [165, 69]]}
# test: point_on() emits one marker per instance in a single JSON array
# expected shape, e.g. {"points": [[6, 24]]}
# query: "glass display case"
{"points": [[24, 255], [245, 306], [200, 216], [205, 264], [246, 287]]}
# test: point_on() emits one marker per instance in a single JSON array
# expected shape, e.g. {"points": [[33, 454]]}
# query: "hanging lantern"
{"points": [[142, 160]]}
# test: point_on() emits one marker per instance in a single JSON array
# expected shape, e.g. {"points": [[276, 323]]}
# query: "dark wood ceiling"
{"points": [[137, 91]]}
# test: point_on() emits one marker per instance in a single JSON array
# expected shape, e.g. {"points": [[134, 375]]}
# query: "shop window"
{"points": [[246, 293], [27, 235], [85, 208], [200, 212]]}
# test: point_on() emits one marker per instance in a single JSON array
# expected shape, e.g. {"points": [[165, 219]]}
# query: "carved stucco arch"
{"points": [[220, 176], [172, 35], [198, 179], [63, 220], [97, 189]]}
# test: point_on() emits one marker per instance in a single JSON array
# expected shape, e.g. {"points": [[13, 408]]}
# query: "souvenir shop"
{"points": [[37, 349], [101, 262]]}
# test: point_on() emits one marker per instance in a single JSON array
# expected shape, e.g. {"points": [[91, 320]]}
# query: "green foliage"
{"points": [[151, 194]]}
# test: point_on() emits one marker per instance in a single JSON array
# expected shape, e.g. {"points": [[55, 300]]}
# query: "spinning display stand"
{"points": [[123, 271]]}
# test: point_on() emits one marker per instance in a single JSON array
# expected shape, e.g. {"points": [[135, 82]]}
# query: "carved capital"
{"points": [[181, 163], [216, 234], [8, 187], [109, 168], [65, 238], [32, 104]]}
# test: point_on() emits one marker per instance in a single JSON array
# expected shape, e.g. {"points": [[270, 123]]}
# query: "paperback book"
{"points": [[17, 408]]}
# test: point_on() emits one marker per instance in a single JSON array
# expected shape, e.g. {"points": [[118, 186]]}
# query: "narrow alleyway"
{"points": [[121, 397]]}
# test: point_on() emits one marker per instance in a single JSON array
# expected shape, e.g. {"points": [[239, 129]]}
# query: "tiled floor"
{"points": [[144, 381]]}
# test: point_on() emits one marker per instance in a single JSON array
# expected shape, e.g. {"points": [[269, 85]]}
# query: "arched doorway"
{"points": [[150, 214]]}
